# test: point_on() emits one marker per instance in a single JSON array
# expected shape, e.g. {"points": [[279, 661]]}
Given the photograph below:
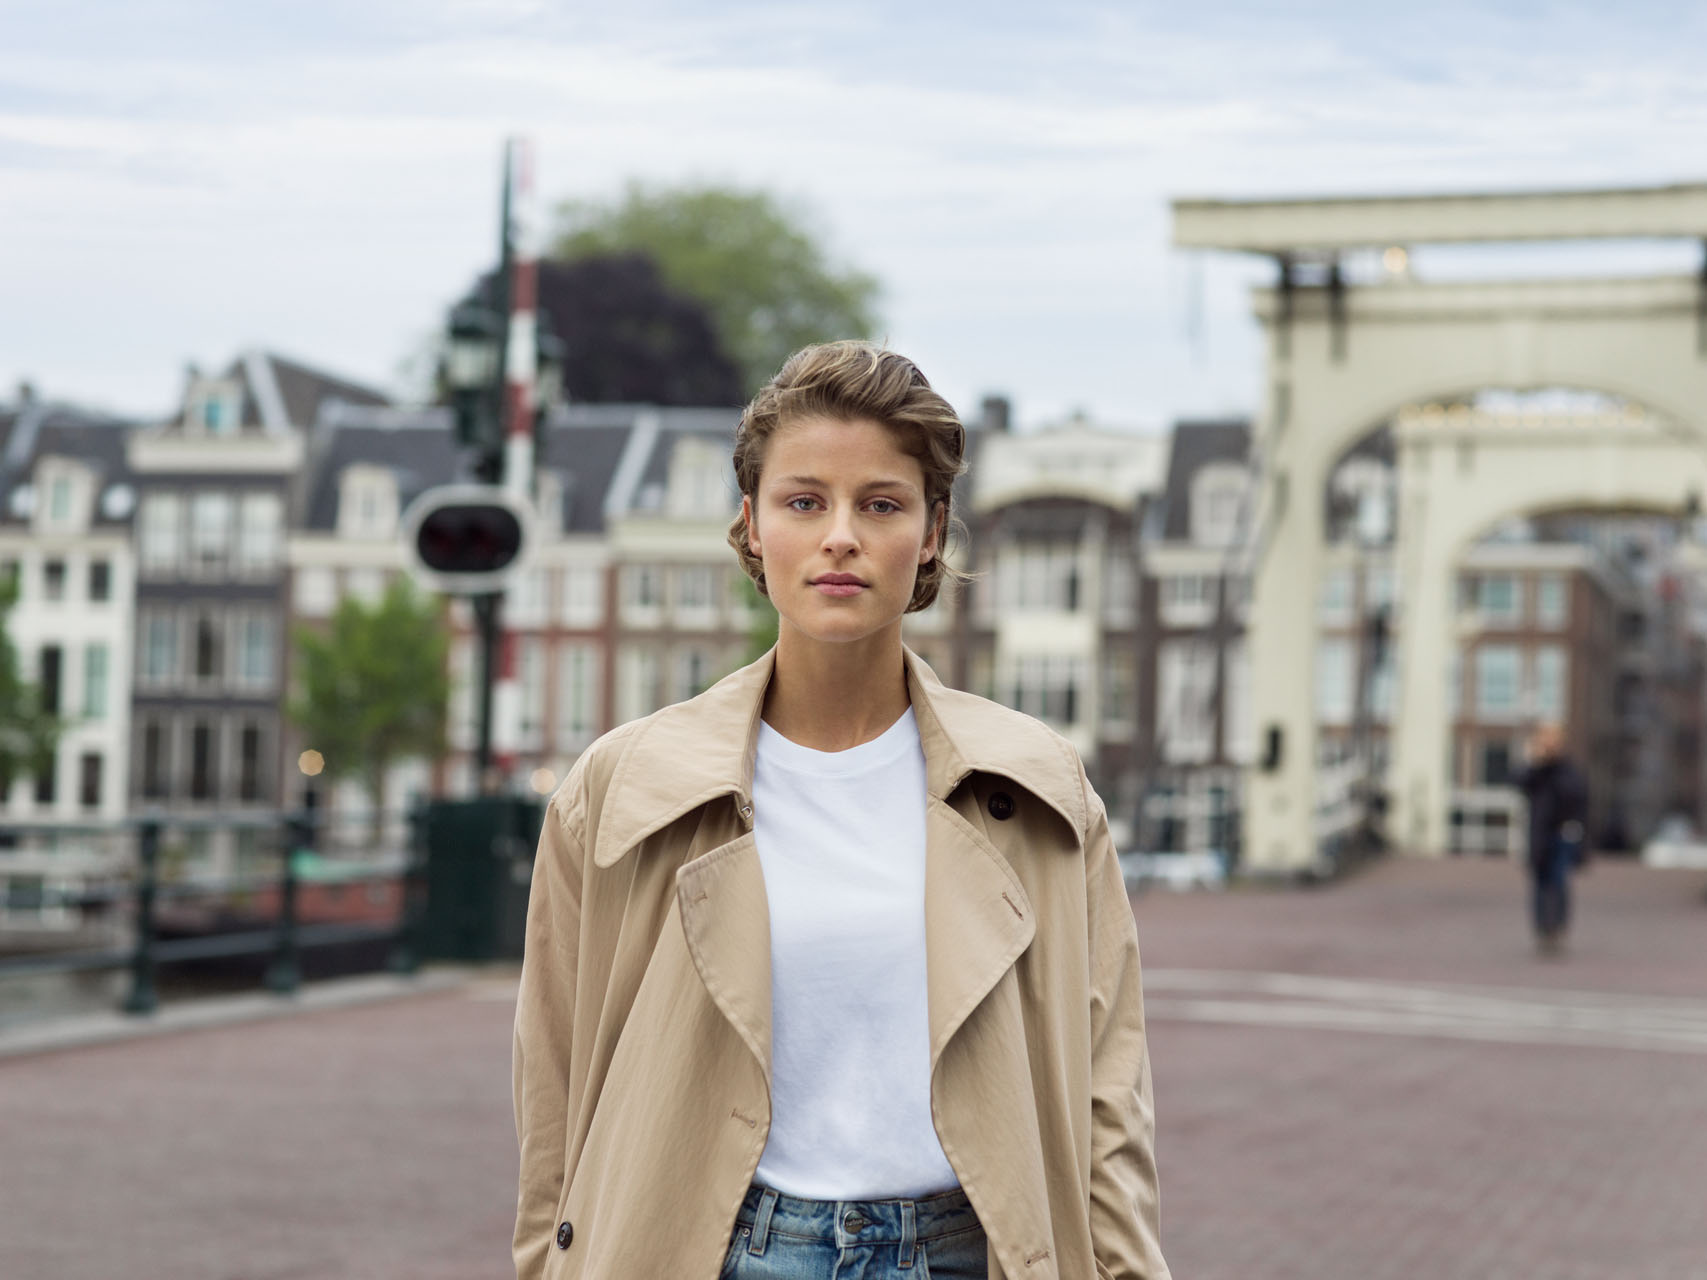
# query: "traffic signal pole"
{"points": [[520, 370]]}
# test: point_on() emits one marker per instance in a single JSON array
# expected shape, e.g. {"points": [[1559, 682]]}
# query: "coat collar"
{"points": [[693, 752]]}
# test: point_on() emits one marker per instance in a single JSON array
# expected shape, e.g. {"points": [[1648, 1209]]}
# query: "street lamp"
{"points": [[472, 366]]}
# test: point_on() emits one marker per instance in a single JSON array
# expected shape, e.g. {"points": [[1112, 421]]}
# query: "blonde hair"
{"points": [[847, 381]]}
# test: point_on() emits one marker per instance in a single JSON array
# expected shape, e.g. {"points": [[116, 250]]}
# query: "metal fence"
{"points": [[159, 890]]}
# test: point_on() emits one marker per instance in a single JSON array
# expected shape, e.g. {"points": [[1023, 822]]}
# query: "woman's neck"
{"points": [[831, 697]]}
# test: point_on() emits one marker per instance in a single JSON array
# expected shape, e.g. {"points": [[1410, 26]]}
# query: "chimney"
{"points": [[26, 393], [995, 414]]}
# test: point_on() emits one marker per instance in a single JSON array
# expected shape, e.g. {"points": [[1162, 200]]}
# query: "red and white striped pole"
{"points": [[520, 371]]}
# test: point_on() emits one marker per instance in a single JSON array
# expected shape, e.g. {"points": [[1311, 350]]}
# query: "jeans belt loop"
{"points": [[762, 1221], [909, 1234]]}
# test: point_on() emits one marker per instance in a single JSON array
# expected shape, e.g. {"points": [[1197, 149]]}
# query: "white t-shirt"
{"points": [[841, 837]]}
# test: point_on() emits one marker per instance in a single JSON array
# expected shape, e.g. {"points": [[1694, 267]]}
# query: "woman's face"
{"points": [[840, 521]]}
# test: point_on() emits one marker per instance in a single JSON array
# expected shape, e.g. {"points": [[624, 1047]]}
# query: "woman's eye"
{"points": [[802, 504], [884, 507]]}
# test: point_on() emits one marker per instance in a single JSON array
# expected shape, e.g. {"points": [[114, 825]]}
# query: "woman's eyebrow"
{"points": [[816, 482]]}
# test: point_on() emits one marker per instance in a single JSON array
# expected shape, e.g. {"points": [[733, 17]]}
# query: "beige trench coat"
{"points": [[643, 1037]]}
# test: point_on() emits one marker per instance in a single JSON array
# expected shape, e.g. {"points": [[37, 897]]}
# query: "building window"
{"points": [[162, 532], [1120, 590], [1334, 602], [1496, 760], [89, 781], [53, 579], [1498, 681], [207, 657], [255, 651], [201, 762], [1550, 601], [100, 580], [47, 781], [258, 532], [1550, 668], [531, 669], [159, 649], [366, 585], [1185, 701], [95, 681], [693, 673], [1335, 679], [316, 593], [1119, 692], [210, 531], [249, 763], [47, 686], [694, 588], [637, 688], [1048, 686], [642, 586], [59, 500], [577, 696], [583, 595], [1039, 576], [1499, 600], [156, 763]]}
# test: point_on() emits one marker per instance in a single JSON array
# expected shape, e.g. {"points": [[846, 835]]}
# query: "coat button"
{"points": [[565, 1233], [1001, 806]]}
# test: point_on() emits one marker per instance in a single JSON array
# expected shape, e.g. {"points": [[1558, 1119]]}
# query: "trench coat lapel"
{"points": [[978, 920], [726, 920]]}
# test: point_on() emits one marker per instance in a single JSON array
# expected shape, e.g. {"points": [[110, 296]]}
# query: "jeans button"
{"points": [[853, 1222]]}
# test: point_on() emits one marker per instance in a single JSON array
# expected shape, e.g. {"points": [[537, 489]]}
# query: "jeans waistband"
{"points": [[858, 1221]]}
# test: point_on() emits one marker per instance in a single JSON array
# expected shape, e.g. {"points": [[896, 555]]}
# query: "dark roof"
{"points": [[644, 468], [1195, 445], [584, 455], [303, 391], [41, 430], [417, 448]]}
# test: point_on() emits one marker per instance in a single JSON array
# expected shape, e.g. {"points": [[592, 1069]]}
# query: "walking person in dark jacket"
{"points": [[1558, 809]]}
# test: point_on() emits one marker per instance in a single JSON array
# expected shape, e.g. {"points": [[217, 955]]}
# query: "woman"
{"points": [[830, 970]]}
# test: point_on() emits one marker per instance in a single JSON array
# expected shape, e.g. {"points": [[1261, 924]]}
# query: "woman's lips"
{"points": [[839, 588]]}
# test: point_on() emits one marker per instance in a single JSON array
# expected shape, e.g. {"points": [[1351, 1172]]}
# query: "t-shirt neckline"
{"points": [[887, 746]]}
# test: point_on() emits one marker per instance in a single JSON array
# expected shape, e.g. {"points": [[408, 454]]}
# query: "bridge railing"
{"points": [[145, 893]]}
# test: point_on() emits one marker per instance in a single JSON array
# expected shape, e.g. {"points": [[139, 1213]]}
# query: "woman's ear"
{"points": [[933, 544], [752, 526]]}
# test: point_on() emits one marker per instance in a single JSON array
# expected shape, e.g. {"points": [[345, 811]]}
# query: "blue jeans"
{"points": [[1552, 898], [780, 1237]]}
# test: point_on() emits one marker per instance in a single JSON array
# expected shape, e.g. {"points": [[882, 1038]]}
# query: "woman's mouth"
{"points": [[838, 584]]}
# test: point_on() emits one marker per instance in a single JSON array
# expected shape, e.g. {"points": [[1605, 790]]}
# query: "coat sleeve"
{"points": [[545, 1014], [1124, 1209]]}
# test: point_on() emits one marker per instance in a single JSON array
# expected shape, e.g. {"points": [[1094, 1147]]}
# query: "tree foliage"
{"points": [[753, 264], [28, 734], [628, 337], [373, 689]]}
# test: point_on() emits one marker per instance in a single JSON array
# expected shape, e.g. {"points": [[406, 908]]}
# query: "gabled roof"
{"points": [[643, 471], [581, 446], [1197, 443], [281, 395], [39, 429]]}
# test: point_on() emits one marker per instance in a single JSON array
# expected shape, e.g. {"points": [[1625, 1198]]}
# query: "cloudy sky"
{"points": [[182, 179]]}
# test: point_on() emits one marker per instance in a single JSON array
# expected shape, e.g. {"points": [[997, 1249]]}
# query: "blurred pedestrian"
{"points": [[1558, 813], [831, 969]]}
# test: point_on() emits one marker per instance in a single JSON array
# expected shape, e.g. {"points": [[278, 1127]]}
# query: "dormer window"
{"points": [[1217, 498], [65, 490], [214, 407], [367, 503]]}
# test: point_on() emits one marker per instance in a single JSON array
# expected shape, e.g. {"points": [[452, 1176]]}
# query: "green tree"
{"points": [[373, 689], [28, 734], [762, 628], [748, 259]]}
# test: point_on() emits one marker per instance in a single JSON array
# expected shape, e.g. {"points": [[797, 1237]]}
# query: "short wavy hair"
{"points": [[849, 381]]}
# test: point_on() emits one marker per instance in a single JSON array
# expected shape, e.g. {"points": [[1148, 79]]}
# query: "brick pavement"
{"points": [[375, 1142]]}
